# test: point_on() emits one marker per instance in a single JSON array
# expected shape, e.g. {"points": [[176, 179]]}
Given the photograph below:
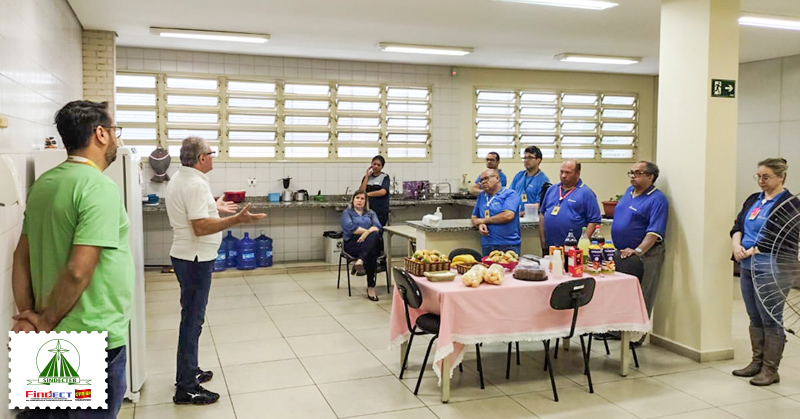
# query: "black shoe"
{"points": [[381, 268], [198, 396], [204, 376]]}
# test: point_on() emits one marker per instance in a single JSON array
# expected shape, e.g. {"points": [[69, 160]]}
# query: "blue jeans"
{"points": [[502, 247], [195, 280], [116, 359], [765, 286]]}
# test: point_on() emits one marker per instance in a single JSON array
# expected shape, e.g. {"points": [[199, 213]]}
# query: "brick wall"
{"points": [[99, 63]]}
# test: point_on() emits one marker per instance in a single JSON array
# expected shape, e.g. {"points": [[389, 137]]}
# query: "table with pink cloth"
{"points": [[517, 311]]}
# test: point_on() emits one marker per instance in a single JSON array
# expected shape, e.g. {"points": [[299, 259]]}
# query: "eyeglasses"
{"points": [[117, 130], [637, 173], [484, 179], [765, 178], [530, 158], [211, 153]]}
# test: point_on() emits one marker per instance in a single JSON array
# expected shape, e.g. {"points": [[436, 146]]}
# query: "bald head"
{"points": [[570, 173], [490, 181]]}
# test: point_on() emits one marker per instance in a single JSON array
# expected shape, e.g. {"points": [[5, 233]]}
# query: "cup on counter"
{"points": [[152, 198], [531, 212]]}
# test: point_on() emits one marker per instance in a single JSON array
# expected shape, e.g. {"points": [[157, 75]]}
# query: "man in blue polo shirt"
{"points": [[496, 215], [528, 183], [569, 205], [640, 222], [492, 162]]}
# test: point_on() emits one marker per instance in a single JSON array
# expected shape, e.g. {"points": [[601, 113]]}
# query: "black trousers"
{"points": [[368, 251]]}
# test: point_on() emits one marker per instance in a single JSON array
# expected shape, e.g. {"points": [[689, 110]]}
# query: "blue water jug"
{"points": [[222, 256], [232, 247], [247, 253], [263, 251]]}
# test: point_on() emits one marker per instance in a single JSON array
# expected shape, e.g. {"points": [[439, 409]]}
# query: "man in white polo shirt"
{"points": [[197, 234]]}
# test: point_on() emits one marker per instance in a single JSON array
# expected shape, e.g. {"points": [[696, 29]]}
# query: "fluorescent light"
{"points": [[765, 21], [253, 38], [575, 4], [424, 49], [597, 59]]}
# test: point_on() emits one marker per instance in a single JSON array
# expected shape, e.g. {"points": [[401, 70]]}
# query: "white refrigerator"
{"points": [[126, 173]]}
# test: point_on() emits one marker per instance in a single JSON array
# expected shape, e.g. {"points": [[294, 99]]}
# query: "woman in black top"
{"points": [[765, 241], [377, 184]]}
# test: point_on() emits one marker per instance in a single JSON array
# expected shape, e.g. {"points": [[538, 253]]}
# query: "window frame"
{"points": [[280, 129], [517, 147]]}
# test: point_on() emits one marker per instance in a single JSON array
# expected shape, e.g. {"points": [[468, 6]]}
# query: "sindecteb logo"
{"points": [[58, 369]]}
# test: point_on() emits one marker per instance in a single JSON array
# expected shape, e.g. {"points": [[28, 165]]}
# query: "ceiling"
{"points": [[504, 35]]}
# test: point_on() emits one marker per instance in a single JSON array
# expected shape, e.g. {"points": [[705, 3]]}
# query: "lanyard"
{"points": [[82, 160], [489, 201], [561, 197], [528, 181]]}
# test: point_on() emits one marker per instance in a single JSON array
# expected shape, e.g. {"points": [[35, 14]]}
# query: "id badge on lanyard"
{"points": [[754, 213], [524, 197]]}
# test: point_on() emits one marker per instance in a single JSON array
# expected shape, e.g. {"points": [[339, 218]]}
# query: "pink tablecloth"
{"points": [[517, 311]]}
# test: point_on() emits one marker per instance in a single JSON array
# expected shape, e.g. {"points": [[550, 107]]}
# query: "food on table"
{"points": [[463, 260], [494, 275], [498, 256], [429, 256], [474, 276], [440, 276], [530, 272]]}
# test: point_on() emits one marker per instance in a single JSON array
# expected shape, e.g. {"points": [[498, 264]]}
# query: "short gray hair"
{"points": [[651, 169], [191, 149]]}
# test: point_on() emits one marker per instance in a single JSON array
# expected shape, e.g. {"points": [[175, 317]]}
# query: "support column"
{"points": [[99, 66], [697, 156]]}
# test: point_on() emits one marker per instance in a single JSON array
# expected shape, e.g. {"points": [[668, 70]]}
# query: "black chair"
{"points": [[348, 258], [464, 251], [571, 295], [426, 324]]}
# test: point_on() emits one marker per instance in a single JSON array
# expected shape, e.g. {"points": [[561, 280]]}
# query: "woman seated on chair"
{"points": [[361, 230]]}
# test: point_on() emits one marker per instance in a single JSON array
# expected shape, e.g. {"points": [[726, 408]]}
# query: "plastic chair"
{"points": [[426, 324], [571, 295], [348, 258]]}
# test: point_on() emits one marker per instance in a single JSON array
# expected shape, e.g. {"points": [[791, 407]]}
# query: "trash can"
{"points": [[333, 246]]}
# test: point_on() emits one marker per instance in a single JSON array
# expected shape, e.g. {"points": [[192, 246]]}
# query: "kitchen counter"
{"points": [[461, 225], [336, 202]]}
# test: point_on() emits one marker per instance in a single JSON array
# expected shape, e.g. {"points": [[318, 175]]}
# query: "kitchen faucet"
{"points": [[436, 189], [346, 194]]}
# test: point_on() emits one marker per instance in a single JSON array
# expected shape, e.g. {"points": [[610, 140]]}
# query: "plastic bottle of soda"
{"points": [[569, 243], [598, 237], [583, 244]]}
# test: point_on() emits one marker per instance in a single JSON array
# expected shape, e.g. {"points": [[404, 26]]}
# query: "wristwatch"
{"points": [[638, 251]]}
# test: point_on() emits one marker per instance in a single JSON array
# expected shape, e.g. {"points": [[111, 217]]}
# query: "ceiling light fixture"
{"points": [[597, 59], [575, 4], [424, 49], [253, 38], [766, 21]]}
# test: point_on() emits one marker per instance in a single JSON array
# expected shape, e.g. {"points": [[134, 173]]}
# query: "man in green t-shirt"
{"points": [[73, 269]]}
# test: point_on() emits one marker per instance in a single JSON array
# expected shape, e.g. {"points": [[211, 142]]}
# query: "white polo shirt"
{"points": [[189, 198]]}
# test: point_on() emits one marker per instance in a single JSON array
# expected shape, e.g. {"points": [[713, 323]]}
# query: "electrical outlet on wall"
{"points": [[251, 182]]}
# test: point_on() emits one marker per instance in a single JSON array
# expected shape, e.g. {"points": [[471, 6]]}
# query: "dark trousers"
{"points": [[653, 260], [368, 251], [383, 217], [195, 280], [116, 359]]}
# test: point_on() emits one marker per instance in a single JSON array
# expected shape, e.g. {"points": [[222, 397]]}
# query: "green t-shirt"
{"points": [[75, 204]]}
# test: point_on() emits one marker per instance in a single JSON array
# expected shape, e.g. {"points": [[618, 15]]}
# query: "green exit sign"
{"points": [[723, 88]]}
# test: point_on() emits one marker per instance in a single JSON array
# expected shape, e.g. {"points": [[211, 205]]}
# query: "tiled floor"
{"points": [[293, 346]]}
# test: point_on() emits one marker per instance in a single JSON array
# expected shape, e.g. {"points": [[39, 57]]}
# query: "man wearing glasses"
{"points": [[640, 222], [492, 162], [73, 270], [496, 215], [197, 234], [528, 183]]}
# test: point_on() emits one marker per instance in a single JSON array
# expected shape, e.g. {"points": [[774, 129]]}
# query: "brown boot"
{"points": [[773, 351], [757, 343]]}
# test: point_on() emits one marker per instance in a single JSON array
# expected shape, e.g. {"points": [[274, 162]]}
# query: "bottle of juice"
{"points": [[595, 259], [569, 243], [583, 244], [609, 267]]}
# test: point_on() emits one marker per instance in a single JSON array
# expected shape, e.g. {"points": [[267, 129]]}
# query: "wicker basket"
{"points": [[419, 269], [462, 269]]}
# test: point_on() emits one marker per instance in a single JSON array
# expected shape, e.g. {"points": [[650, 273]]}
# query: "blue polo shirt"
{"points": [[636, 217], [753, 227], [528, 187], [578, 208], [351, 221], [499, 234], [503, 179]]}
